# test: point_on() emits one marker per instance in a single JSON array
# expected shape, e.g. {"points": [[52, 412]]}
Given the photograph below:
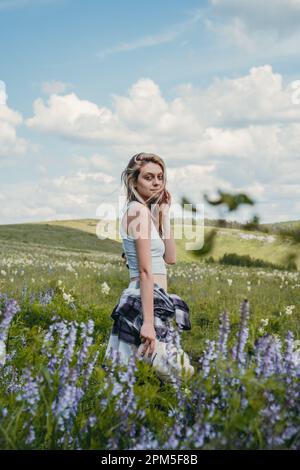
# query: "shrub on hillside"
{"points": [[247, 261]]}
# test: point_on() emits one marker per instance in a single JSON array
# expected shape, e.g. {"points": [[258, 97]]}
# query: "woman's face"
{"points": [[150, 180]]}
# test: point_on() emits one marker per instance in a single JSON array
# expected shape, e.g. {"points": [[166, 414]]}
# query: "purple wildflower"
{"points": [[71, 341], [238, 352], [208, 357], [223, 334], [10, 308], [30, 391], [46, 298]]}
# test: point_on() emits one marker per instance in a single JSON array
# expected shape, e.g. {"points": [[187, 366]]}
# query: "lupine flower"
{"points": [[31, 436], [45, 299], [71, 340], [271, 413], [288, 357], [30, 391], [238, 353], [90, 368], [296, 353], [65, 406], [10, 308], [199, 413], [55, 358], [146, 440], [223, 334], [87, 339], [268, 356], [208, 357]]}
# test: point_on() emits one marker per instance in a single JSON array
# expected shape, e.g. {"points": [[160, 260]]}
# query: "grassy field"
{"points": [[75, 253], [83, 263], [37, 257], [81, 235]]}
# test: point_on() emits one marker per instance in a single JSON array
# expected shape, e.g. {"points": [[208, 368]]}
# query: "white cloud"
{"points": [[74, 195], [75, 119], [269, 14], [97, 161], [10, 143], [144, 110], [81, 178], [3, 95], [250, 118], [257, 98], [258, 29], [239, 132]]}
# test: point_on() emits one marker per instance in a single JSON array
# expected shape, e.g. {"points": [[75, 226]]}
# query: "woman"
{"points": [[143, 316]]}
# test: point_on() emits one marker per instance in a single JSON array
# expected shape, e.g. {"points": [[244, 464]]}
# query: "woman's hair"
{"points": [[130, 175]]}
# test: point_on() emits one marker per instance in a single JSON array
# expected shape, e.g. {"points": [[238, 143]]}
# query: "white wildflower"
{"points": [[289, 309], [105, 288], [70, 268], [263, 322], [68, 298]]}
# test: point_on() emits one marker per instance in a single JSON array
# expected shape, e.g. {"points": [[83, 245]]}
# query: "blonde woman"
{"points": [[143, 316]]}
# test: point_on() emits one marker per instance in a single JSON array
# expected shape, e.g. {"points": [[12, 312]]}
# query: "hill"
{"points": [[80, 235]]}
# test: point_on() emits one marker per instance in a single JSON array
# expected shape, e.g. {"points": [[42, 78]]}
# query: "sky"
{"points": [[213, 87]]}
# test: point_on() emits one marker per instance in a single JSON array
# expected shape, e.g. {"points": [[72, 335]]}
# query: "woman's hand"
{"points": [[148, 336]]}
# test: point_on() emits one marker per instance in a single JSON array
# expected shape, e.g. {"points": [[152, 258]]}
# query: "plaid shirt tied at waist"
{"points": [[128, 314]]}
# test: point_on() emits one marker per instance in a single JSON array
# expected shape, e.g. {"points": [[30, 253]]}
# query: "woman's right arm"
{"points": [[142, 232]]}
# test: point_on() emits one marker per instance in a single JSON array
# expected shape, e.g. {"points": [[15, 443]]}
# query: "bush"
{"points": [[209, 260], [247, 261]]}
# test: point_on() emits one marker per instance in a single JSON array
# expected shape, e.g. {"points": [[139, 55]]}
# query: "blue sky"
{"points": [[211, 86]]}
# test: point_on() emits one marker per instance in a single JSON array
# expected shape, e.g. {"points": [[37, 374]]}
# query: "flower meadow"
{"points": [[55, 308]]}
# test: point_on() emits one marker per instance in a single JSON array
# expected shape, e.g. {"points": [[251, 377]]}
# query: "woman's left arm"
{"points": [[168, 238]]}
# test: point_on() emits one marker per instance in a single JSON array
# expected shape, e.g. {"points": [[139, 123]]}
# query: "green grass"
{"points": [[37, 255], [81, 235], [57, 236]]}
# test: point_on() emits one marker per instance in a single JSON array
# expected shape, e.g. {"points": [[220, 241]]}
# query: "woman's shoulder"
{"points": [[137, 206], [138, 203]]}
